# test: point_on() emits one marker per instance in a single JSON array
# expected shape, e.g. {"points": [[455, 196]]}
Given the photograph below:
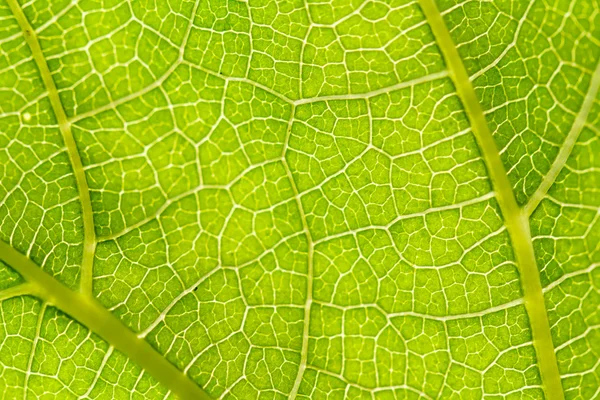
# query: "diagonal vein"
{"points": [[568, 145], [87, 311], [515, 218], [15, 291], [89, 238]]}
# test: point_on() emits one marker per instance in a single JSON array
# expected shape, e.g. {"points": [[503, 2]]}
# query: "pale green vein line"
{"points": [[179, 62], [357, 96], [36, 338], [451, 317], [570, 275], [99, 320], [568, 145], [516, 220], [15, 291], [89, 238], [309, 284]]}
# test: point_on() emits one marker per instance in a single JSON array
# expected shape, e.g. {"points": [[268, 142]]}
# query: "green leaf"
{"points": [[273, 199]]}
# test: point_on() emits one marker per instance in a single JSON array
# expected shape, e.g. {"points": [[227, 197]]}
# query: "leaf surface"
{"points": [[299, 199]]}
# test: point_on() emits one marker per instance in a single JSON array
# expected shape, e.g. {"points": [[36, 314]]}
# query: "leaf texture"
{"points": [[272, 199]]}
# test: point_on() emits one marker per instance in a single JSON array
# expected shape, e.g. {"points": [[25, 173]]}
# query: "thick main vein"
{"points": [[89, 234], [99, 320], [516, 220]]}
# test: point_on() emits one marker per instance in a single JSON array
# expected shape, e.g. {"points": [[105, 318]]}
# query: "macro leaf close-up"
{"points": [[300, 199]]}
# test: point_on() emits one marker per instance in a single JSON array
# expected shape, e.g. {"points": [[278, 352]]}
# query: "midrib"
{"points": [[516, 220], [89, 234], [87, 311]]}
